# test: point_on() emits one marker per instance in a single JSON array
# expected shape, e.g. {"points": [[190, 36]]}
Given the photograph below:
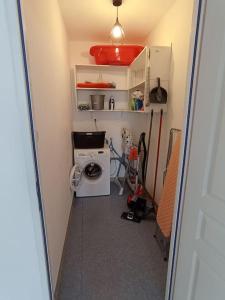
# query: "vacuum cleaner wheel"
{"points": [[131, 216]]}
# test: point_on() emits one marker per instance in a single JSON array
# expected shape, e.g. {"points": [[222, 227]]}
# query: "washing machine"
{"points": [[94, 170]]}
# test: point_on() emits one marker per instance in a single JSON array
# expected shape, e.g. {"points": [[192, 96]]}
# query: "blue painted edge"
{"points": [[190, 100], [33, 145]]}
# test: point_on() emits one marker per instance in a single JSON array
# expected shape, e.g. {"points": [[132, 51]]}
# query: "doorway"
{"points": [[43, 160]]}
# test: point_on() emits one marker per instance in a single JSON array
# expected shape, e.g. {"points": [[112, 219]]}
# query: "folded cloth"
{"points": [[166, 205]]}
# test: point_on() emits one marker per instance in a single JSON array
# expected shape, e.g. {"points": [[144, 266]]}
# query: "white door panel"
{"points": [[23, 263], [201, 258]]}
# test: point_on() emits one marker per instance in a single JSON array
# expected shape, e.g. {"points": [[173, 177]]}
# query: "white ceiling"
{"points": [[93, 19]]}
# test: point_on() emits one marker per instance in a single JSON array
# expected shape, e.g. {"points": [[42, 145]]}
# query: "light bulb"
{"points": [[117, 32]]}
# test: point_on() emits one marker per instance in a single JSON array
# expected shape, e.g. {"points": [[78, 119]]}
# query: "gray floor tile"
{"points": [[106, 257]]}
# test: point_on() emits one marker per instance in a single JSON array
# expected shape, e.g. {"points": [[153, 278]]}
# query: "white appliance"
{"points": [[94, 166]]}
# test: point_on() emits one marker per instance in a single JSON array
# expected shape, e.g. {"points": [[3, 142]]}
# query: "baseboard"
{"points": [[56, 292]]}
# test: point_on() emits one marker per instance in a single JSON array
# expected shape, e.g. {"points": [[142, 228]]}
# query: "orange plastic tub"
{"points": [[115, 55]]}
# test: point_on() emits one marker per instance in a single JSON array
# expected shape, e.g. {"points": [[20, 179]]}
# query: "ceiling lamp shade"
{"points": [[117, 34]]}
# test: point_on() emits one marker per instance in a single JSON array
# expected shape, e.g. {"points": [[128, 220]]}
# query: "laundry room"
{"points": [[108, 85]]}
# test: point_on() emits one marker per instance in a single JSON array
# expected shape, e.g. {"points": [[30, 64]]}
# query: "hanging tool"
{"points": [[158, 94], [148, 147], [158, 151], [142, 150]]}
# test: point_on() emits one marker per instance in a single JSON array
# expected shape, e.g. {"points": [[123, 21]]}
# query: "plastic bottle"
{"points": [[111, 103]]}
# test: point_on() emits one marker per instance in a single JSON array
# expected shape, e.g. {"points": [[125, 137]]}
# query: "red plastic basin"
{"points": [[115, 55]]}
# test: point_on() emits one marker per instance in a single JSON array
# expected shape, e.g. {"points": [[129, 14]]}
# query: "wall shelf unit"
{"points": [[156, 108], [101, 89], [140, 75], [137, 85], [115, 110]]}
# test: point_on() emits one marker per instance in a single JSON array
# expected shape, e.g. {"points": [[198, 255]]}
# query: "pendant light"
{"points": [[117, 33]]}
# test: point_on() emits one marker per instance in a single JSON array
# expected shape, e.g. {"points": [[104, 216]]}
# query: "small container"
{"points": [[111, 103], [97, 102], [132, 104]]}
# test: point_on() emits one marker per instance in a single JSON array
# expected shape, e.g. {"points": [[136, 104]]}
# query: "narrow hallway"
{"points": [[106, 257]]}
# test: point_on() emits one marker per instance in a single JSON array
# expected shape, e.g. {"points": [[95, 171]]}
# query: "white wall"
{"points": [[50, 86], [23, 273], [174, 27], [79, 52]]}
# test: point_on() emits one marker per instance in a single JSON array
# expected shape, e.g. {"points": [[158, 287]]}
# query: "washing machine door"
{"points": [[92, 171]]}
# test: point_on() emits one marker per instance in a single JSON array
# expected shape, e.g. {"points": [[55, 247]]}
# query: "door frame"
{"points": [[25, 237], [197, 28], [194, 58], [32, 130]]}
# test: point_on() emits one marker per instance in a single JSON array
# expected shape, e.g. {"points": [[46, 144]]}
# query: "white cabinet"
{"points": [[160, 63], [141, 75]]}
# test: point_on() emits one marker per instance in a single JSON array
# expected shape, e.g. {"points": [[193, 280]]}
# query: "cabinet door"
{"points": [[160, 62], [137, 70], [138, 74]]}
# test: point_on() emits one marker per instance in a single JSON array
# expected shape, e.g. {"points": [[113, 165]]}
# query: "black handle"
{"points": [[158, 81], [141, 140], [140, 144]]}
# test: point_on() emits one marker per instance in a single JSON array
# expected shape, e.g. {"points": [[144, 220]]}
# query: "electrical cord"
{"points": [[113, 173], [96, 126]]}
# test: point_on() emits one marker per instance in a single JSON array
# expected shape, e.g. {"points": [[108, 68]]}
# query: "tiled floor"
{"points": [[106, 257]]}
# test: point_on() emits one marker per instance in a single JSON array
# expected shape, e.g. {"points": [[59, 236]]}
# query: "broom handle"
{"points": [[148, 148], [157, 157]]}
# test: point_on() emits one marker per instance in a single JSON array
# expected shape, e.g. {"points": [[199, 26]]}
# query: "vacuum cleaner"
{"points": [[137, 204]]}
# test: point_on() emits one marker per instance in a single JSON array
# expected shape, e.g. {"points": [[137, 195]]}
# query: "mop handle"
{"points": [[157, 158]]}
